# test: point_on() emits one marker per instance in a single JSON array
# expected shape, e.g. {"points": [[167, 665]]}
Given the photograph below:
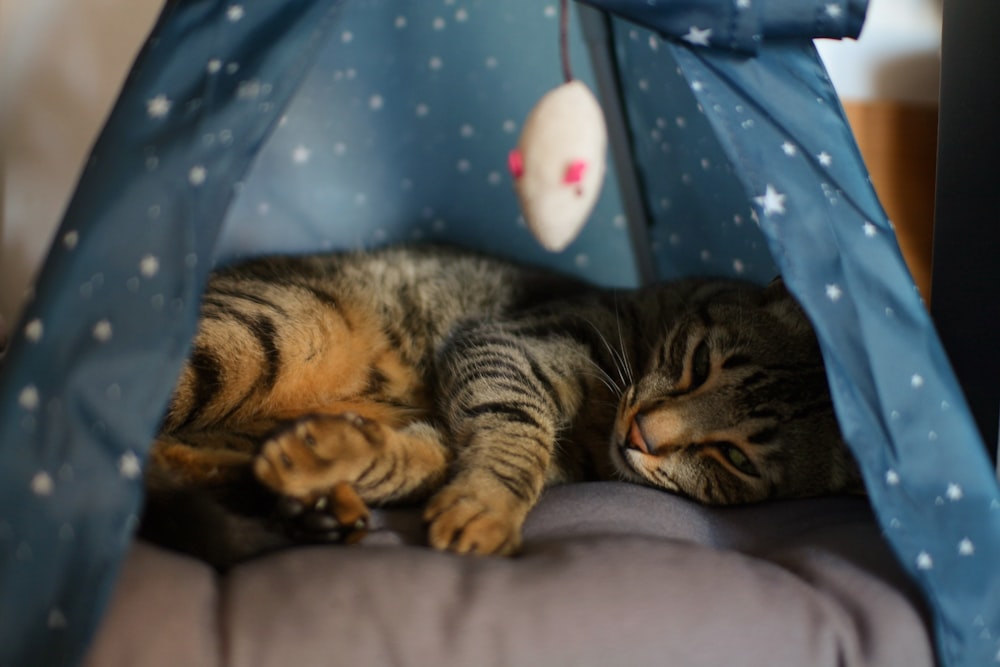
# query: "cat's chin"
{"points": [[626, 471]]}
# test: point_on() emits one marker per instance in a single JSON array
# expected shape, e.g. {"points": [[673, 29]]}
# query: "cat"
{"points": [[434, 375]]}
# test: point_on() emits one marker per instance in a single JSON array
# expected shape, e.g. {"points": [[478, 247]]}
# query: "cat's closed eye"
{"points": [[701, 365]]}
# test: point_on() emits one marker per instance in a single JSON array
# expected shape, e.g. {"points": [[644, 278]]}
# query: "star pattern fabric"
{"points": [[926, 468], [343, 129], [741, 25]]}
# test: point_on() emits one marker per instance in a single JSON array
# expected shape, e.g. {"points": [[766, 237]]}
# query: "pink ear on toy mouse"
{"points": [[574, 172], [515, 162]]}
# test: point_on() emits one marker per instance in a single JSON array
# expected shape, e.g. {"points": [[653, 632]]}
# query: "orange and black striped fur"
{"points": [[431, 375]]}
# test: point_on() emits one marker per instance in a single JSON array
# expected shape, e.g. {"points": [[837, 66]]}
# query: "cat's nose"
{"points": [[635, 439]]}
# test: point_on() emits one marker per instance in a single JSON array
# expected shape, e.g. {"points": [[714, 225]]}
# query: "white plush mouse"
{"points": [[559, 163]]}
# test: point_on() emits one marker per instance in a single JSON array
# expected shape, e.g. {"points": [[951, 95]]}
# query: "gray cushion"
{"points": [[611, 574]]}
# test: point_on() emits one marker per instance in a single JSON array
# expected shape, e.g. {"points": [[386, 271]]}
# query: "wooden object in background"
{"points": [[899, 144]]}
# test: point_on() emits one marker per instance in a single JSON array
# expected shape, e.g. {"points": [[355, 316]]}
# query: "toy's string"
{"points": [[564, 39]]}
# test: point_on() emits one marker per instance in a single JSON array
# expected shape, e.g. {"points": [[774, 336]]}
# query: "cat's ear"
{"points": [[780, 303], [776, 290]]}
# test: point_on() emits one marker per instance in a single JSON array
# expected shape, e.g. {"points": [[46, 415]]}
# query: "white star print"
{"points": [[789, 148], [917, 381], [235, 13], [954, 492], [301, 155], [149, 266], [197, 175], [825, 159], [42, 484], [924, 561], [870, 229], [892, 477], [33, 330], [28, 398], [697, 36], [966, 548], [771, 201], [743, 4], [159, 106], [833, 293], [129, 466], [834, 10], [102, 331]]}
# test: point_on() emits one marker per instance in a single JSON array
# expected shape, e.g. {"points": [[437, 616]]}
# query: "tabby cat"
{"points": [[433, 375]]}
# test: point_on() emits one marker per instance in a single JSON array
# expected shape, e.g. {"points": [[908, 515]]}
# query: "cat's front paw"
{"points": [[312, 465], [340, 516], [466, 518], [308, 458]]}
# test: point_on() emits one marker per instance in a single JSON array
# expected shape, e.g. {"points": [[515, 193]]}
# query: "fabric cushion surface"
{"points": [[610, 574]]}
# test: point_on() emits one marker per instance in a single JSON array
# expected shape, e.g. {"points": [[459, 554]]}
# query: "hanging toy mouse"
{"points": [[560, 160]]}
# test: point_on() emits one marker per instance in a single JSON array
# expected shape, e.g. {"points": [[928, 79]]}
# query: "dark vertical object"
{"points": [[597, 33], [966, 269]]}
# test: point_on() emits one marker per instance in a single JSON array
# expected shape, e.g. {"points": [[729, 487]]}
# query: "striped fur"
{"points": [[468, 384]]}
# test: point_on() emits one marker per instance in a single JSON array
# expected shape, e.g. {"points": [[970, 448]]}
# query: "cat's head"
{"points": [[734, 405]]}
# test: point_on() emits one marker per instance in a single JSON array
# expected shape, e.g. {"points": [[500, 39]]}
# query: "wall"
{"points": [[61, 64]]}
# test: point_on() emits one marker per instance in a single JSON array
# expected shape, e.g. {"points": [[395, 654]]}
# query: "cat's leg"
{"points": [[220, 465], [507, 396], [319, 454], [204, 459]]}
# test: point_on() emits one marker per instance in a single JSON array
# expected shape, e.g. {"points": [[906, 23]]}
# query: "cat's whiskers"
{"points": [[626, 362], [605, 379], [615, 360]]}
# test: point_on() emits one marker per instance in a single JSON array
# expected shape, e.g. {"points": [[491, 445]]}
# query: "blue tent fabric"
{"points": [[741, 25], [925, 466], [88, 378], [240, 120]]}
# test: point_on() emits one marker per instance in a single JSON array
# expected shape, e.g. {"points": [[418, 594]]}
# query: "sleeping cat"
{"points": [[433, 375]]}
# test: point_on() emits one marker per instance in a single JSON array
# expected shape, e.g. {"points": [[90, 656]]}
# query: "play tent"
{"points": [[251, 126]]}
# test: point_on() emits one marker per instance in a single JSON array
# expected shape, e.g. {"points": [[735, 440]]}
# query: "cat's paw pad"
{"points": [[339, 516], [306, 459], [466, 523]]}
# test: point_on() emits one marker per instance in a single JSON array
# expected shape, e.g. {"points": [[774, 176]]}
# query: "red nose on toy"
{"points": [[574, 172], [515, 163]]}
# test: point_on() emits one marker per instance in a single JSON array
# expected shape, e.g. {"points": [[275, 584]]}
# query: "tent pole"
{"points": [[597, 35]]}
